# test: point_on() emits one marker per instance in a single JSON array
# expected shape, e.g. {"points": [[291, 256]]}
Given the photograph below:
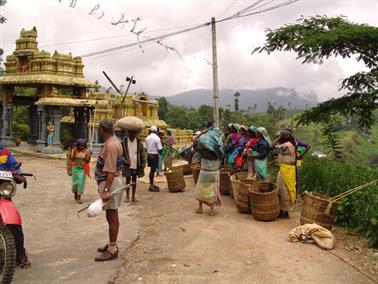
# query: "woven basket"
{"points": [[235, 180], [225, 183], [175, 180], [242, 196], [186, 169], [313, 210], [196, 168], [264, 201]]}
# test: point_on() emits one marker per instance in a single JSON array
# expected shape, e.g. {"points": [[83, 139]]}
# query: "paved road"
{"points": [[61, 244]]}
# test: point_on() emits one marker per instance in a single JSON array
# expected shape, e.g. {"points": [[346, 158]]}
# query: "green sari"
{"points": [[78, 176]]}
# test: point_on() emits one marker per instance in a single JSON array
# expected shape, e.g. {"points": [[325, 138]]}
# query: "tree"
{"points": [[206, 114], [176, 118], [236, 101], [163, 107], [2, 18], [254, 107], [317, 38], [270, 111], [332, 142]]}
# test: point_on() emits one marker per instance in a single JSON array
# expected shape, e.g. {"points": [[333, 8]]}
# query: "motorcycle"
{"points": [[9, 216]]}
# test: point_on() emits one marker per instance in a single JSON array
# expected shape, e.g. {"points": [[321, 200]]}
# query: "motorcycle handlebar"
{"points": [[26, 175]]}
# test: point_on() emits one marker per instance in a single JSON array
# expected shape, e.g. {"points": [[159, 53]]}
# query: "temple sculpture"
{"points": [[61, 86]]}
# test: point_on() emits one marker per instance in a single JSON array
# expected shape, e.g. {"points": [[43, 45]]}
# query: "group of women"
{"points": [[247, 148]]}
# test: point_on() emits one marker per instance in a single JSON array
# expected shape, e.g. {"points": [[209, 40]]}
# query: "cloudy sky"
{"points": [[163, 73]]}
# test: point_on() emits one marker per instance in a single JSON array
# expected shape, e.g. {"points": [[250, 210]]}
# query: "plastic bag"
{"points": [[95, 208]]}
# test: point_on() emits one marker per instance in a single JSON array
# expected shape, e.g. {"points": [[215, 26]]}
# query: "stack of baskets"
{"points": [[314, 210], [196, 168], [242, 195], [235, 180], [263, 201], [175, 179]]}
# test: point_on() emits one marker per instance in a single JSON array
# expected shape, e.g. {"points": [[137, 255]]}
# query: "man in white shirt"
{"points": [[154, 147]]}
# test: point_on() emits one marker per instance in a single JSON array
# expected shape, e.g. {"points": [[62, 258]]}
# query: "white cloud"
{"points": [[159, 73]]}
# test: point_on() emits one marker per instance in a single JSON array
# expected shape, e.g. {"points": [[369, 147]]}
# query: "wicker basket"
{"points": [[235, 180], [313, 210], [196, 168], [186, 169], [242, 196], [175, 180], [225, 183], [263, 201]]}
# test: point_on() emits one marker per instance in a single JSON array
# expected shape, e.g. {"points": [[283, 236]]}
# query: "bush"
{"points": [[330, 178]]}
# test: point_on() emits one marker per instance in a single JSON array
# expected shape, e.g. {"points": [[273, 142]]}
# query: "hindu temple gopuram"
{"points": [[60, 87]]}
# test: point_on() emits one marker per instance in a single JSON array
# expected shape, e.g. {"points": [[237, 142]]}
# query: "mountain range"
{"points": [[285, 97]]}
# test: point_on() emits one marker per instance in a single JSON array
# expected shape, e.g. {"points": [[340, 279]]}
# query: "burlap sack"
{"points": [[130, 123], [313, 233]]}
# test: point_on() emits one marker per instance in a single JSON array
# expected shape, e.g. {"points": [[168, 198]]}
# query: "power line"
{"points": [[227, 9], [248, 11], [156, 38]]}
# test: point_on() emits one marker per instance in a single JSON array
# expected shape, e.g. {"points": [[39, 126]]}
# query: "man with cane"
{"points": [[108, 169]]}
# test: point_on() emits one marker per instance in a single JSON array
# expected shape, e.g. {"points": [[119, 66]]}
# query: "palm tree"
{"points": [[236, 101]]}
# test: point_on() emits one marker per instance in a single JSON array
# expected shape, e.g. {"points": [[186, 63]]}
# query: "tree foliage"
{"points": [[2, 18], [315, 39]]}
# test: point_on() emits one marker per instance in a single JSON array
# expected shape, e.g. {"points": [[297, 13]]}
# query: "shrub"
{"points": [[330, 178]]}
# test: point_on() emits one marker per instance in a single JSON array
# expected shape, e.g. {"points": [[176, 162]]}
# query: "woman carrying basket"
{"points": [[209, 145]]}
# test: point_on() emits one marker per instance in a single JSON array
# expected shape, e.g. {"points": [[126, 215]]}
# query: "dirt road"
{"points": [[62, 246], [174, 244], [178, 246]]}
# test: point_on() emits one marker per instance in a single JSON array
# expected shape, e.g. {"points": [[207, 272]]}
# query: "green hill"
{"points": [[358, 146]]}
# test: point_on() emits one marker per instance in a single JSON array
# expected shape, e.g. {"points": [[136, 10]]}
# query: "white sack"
{"points": [[130, 123], [95, 208]]}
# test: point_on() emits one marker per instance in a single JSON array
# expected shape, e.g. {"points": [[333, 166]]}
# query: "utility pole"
{"points": [[215, 74]]}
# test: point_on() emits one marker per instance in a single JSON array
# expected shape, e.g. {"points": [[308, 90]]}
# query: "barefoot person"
{"points": [[108, 170], [135, 161], [209, 144], [286, 178], [80, 157], [154, 147]]}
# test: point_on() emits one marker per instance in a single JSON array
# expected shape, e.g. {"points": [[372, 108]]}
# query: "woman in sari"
{"points": [[210, 146], [80, 158], [286, 178], [259, 153], [252, 140], [234, 140]]}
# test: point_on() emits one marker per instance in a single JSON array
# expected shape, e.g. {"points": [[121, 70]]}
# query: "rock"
{"points": [[173, 265], [140, 278], [187, 265]]}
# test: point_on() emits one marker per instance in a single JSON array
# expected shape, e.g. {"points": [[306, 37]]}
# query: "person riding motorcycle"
{"points": [[9, 163]]}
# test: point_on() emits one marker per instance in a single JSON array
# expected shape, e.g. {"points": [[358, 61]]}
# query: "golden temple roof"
{"points": [[68, 102], [53, 79]]}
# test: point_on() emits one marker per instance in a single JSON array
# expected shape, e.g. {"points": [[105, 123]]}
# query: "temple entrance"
{"points": [[37, 90]]}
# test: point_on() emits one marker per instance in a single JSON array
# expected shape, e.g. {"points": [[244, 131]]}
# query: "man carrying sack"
{"points": [[133, 152], [108, 169]]}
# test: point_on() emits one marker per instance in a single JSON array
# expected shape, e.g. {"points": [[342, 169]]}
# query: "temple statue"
{"points": [[50, 133]]}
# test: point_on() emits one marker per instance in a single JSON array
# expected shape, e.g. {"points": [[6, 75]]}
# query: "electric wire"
{"points": [[228, 8], [248, 11]]}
